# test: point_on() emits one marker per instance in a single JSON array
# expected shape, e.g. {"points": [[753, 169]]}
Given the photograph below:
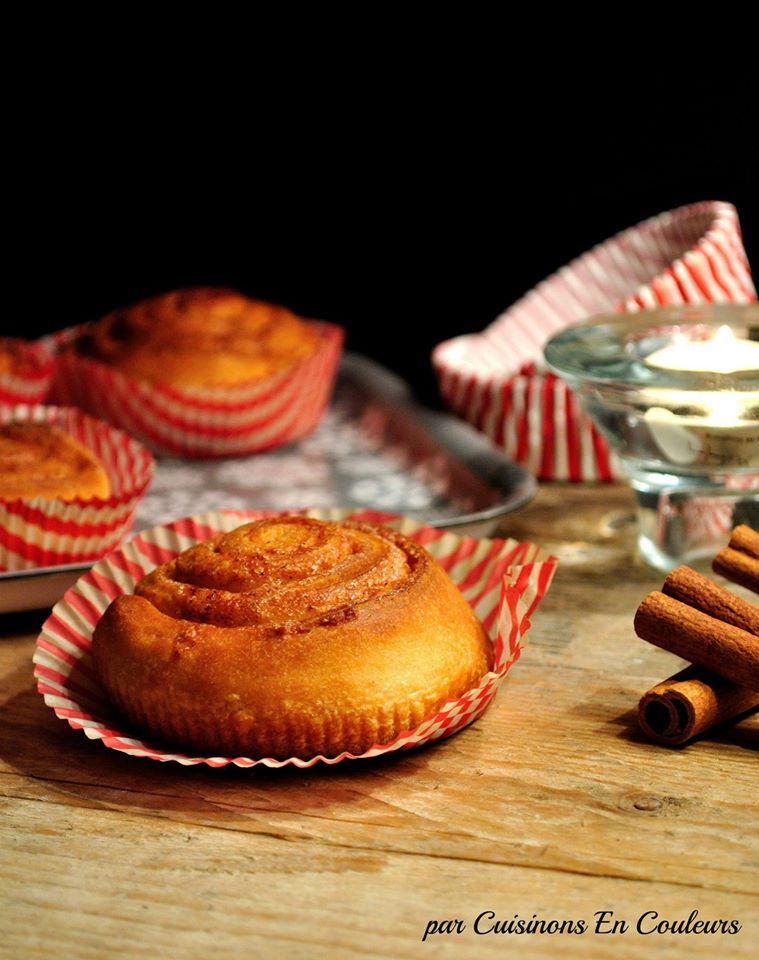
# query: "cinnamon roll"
{"points": [[40, 460], [200, 337], [290, 637]]}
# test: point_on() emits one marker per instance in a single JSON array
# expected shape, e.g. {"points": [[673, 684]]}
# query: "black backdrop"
{"points": [[408, 217]]}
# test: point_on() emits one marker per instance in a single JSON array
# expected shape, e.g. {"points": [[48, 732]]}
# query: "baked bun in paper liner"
{"points": [[496, 379], [49, 531], [215, 420], [26, 371], [503, 582]]}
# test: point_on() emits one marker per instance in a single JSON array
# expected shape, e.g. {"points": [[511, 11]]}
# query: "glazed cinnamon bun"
{"points": [[40, 460], [199, 337], [290, 637]]}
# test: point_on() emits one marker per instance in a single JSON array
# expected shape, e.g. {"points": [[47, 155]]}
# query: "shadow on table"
{"points": [[22, 624], [743, 732], [36, 744]]}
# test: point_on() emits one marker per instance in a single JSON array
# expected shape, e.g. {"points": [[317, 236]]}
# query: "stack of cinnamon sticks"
{"points": [[717, 632]]}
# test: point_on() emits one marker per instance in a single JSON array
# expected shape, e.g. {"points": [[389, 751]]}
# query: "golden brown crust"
{"points": [[200, 337], [290, 637], [39, 460]]}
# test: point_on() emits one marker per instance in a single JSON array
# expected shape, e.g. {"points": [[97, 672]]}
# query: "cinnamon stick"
{"points": [[698, 591], [739, 561], [696, 636], [689, 703]]}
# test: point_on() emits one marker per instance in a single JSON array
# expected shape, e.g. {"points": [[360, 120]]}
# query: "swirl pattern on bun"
{"points": [[199, 337], [290, 637]]}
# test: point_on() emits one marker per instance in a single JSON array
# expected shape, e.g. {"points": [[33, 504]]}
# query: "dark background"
{"points": [[406, 214]]}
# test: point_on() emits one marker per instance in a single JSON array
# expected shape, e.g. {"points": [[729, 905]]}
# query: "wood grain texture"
{"points": [[552, 804]]}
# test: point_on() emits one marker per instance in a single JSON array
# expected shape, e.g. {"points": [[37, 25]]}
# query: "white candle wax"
{"points": [[723, 353]]}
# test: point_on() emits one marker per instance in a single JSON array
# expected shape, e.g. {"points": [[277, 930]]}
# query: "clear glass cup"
{"points": [[688, 439]]}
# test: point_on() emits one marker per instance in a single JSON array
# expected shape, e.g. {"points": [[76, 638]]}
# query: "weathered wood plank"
{"points": [[120, 884]]}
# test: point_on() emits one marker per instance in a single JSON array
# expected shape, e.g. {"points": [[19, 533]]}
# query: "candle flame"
{"points": [[724, 334], [722, 353]]}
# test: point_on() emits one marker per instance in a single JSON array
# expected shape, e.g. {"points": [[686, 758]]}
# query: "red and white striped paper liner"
{"points": [[31, 375], [503, 580], [496, 379], [204, 422], [45, 533]]}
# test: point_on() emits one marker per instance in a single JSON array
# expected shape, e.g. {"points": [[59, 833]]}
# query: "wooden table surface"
{"points": [[552, 805]]}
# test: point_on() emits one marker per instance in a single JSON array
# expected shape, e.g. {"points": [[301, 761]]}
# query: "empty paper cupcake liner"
{"points": [[30, 374], [496, 379], [204, 422], [503, 580], [44, 533]]}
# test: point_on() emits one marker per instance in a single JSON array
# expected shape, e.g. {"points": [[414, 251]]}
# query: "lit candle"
{"points": [[726, 433], [723, 353]]}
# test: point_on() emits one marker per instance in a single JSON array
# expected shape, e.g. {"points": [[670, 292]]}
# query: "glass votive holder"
{"points": [[675, 392]]}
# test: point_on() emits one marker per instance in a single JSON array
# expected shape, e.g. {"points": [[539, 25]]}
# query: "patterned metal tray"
{"points": [[374, 449]]}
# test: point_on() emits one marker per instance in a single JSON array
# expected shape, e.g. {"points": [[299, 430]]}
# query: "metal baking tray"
{"points": [[376, 448]]}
